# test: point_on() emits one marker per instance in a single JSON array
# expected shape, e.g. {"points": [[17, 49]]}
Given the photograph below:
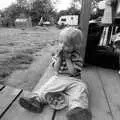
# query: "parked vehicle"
{"points": [[23, 23], [71, 20]]}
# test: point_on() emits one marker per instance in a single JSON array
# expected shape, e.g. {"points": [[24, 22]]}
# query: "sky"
{"points": [[61, 4], [5, 3]]}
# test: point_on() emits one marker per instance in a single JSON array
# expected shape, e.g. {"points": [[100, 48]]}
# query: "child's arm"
{"points": [[69, 70], [77, 64]]}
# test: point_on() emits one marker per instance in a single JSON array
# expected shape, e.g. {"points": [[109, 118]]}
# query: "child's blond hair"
{"points": [[73, 36]]}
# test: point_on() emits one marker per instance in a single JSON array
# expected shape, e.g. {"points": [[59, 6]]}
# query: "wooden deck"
{"points": [[104, 87]]}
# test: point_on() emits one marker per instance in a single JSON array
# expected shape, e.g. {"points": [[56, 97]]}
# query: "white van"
{"points": [[71, 20]]}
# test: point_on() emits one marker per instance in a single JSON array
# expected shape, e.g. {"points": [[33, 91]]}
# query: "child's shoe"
{"points": [[33, 104], [79, 114]]}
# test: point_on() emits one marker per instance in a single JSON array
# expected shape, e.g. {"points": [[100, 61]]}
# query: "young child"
{"points": [[67, 82]]}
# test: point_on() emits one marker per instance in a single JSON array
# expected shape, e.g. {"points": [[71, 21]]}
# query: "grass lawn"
{"points": [[19, 49]]}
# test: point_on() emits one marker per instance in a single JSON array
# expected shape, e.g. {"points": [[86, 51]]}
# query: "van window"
{"points": [[63, 19]]}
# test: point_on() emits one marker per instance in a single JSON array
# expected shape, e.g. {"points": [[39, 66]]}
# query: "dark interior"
{"points": [[103, 56]]}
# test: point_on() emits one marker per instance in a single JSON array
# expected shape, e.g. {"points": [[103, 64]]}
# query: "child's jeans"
{"points": [[77, 92]]}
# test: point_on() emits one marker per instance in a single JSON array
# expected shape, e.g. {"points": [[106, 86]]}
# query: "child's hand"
{"points": [[70, 66], [66, 54], [117, 51], [56, 64]]}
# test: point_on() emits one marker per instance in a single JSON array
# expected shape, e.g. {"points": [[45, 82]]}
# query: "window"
{"points": [[72, 18], [63, 19]]}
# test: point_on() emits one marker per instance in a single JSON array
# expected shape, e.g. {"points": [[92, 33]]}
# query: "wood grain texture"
{"points": [[7, 96], [111, 82], [1, 87], [16, 112], [98, 103]]}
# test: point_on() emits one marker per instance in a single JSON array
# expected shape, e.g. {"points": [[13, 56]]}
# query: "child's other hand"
{"points": [[56, 65]]}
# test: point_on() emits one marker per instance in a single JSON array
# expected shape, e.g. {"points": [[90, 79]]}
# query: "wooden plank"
{"points": [[23, 114], [7, 97], [1, 87], [111, 82], [98, 102], [16, 112], [61, 115]]}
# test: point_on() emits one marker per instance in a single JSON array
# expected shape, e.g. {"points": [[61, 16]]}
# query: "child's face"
{"points": [[67, 48]]}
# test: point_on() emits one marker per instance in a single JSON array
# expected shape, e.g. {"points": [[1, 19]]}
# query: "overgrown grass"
{"points": [[18, 61]]}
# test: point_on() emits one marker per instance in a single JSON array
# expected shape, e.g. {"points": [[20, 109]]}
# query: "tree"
{"points": [[12, 12], [41, 8], [9, 15], [38, 9], [22, 3], [71, 11]]}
